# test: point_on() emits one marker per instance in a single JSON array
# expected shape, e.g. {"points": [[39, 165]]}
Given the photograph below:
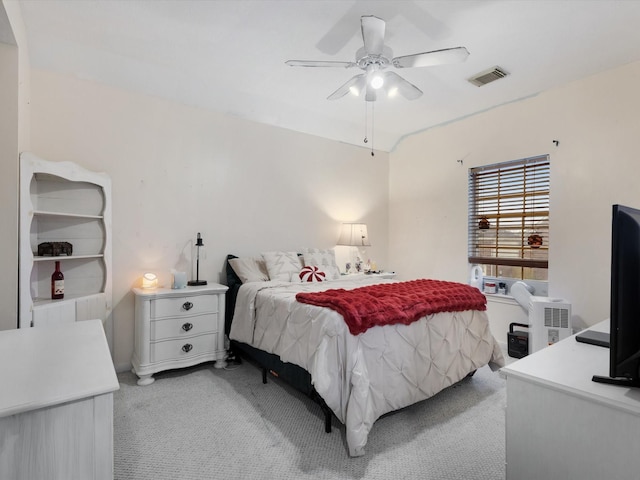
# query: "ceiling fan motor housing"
{"points": [[363, 60]]}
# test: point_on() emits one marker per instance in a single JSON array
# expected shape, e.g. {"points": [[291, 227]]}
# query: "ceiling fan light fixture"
{"points": [[358, 85], [377, 81], [393, 91], [375, 77]]}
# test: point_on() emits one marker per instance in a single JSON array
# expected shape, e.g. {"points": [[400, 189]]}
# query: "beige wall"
{"points": [[9, 184], [14, 136], [178, 170], [14, 16], [596, 164]]}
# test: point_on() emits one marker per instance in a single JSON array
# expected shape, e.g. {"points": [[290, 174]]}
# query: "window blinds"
{"points": [[509, 213]]}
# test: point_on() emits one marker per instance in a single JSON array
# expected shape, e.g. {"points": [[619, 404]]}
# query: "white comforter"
{"points": [[365, 376]]}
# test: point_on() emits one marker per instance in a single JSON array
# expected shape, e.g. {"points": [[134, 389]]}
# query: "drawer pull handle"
{"points": [[187, 326], [186, 348], [187, 305]]}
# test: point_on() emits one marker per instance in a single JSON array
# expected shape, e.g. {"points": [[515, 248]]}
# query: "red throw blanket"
{"points": [[401, 302]]}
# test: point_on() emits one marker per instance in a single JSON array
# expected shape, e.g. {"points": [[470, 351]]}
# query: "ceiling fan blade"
{"points": [[428, 59], [373, 34], [407, 89], [319, 63], [356, 82]]}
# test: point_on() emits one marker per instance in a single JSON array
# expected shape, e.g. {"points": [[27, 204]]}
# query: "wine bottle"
{"points": [[57, 283]]}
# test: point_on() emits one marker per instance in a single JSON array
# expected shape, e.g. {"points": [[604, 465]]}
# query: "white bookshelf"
{"points": [[63, 202]]}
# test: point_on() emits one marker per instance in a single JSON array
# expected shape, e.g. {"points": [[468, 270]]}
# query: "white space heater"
{"points": [[549, 318], [549, 322]]}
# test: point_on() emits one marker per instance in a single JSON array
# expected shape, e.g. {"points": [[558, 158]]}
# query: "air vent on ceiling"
{"points": [[488, 76]]}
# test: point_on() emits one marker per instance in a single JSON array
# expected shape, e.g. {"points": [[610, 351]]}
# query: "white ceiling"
{"points": [[229, 55]]}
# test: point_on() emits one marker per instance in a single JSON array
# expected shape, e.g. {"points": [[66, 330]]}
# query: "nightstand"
{"points": [[388, 275], [178, 328]]}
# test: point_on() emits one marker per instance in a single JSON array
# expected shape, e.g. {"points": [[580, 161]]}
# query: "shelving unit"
{"points": [[63, 202]]}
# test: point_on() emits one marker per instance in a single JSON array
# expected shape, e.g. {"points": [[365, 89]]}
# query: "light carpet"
{"points": [[205, 423]]}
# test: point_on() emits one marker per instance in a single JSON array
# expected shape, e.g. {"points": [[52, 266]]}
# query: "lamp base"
{"points": [[195, 283]]}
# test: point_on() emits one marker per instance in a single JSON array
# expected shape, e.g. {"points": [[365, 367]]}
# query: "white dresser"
{"points": [[562, 425], [178, 328], [56, 403]]}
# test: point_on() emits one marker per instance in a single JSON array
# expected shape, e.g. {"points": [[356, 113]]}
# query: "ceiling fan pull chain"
{"points": [[372, 125], [366, 125]]}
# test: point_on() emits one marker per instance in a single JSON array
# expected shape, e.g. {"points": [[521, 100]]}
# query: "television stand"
{"points": [[561, 425], [619, 381]]}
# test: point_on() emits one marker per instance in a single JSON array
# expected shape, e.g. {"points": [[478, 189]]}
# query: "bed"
{"points": [[357, 377]]}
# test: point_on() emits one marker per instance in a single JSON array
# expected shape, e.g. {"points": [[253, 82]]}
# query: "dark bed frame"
{"points": [[292, 374]]}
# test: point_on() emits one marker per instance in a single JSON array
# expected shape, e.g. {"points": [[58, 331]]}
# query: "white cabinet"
{"points": [[56, 407], [63, 202], [178, 328], [562, 425]]}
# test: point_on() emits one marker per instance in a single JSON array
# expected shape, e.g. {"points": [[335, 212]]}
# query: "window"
{"points": [[509, 218]]}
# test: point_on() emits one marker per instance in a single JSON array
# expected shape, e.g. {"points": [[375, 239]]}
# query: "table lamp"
{"points": [[197, 281]]}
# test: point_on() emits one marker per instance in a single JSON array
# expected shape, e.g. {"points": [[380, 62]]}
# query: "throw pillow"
{"points": [[311, 274], [283, 266], [325, 260], [250, 269]]}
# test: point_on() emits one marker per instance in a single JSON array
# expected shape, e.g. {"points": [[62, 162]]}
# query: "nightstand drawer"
{"points": [[183, 348], [175, 307], [180, 327]]}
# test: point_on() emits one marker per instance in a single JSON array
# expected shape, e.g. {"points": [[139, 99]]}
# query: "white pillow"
{"points": [[325, 260], [283, 266], [250, 269]]}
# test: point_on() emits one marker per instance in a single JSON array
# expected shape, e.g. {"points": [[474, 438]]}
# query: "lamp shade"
{"points": [[354, 235]]}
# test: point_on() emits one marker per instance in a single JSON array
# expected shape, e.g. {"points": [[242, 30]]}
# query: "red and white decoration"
{"points": [[311, 273]]}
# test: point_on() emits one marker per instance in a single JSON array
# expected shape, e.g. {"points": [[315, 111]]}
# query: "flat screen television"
{"points": [[624, 336]]}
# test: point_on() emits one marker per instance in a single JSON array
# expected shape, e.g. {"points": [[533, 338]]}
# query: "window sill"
{"points": [[500, 298], [540, 287]]}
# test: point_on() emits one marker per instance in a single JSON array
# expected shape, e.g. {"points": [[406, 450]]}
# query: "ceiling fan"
{"points": [[375, 57]]}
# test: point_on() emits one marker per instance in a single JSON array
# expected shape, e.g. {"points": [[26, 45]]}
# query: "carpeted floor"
{"points": [[204, 423]]}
